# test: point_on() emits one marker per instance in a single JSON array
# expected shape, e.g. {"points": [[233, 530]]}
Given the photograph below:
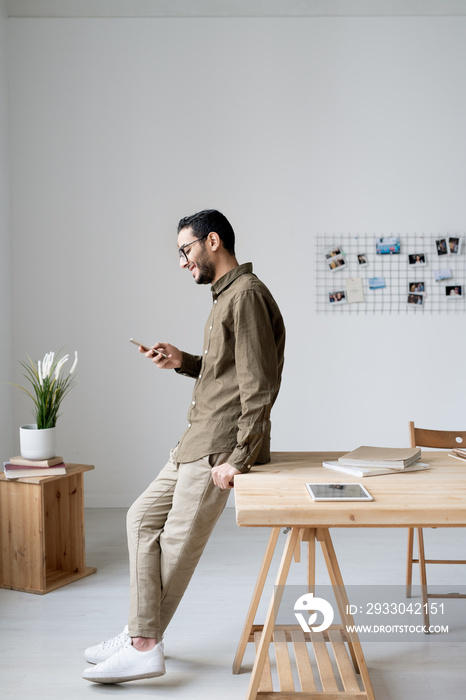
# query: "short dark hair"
{"points": [[209, 220]]}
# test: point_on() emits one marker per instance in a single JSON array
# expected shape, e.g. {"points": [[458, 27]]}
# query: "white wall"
{"points": [[290, 126], [6, 422]]}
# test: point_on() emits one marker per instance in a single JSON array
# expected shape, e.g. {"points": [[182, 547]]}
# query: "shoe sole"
{"points": [[94, 660], [125, 679]]}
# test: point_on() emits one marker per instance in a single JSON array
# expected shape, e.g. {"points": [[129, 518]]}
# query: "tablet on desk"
{"points": [[338, 492]]}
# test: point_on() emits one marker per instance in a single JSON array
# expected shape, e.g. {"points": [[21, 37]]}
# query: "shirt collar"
{"points": [[225, 281]]}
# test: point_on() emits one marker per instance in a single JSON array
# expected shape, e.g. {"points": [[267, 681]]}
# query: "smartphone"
{"points": [[146, 347]]}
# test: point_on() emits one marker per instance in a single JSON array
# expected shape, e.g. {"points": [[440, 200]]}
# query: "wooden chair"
{"points": [[436, 439]]}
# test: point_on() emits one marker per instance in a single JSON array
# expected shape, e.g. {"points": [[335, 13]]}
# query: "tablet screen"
{"points": [[338, 492]]}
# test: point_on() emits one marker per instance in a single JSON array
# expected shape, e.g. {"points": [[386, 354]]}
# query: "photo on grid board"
{"points": [[444, 274], [388, 245], [454, 245], [376, 282], [417, 259], [417, 287], [337, 297], [335, 259], [415, 299], [454, 291], [441, 244]]}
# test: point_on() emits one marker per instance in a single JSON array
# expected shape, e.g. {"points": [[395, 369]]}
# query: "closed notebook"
{"points": [[16, 471], [373, 471], [39, 463], [389, 457]]}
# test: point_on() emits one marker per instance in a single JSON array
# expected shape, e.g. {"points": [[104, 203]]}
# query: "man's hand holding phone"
{"points": [[164, 355]]}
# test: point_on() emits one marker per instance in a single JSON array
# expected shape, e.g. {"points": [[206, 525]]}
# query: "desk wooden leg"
{"points": [[258, 590], [409, 562], [249, 634], [309, 535], [266, 637], [343, 605], [423, 577]]}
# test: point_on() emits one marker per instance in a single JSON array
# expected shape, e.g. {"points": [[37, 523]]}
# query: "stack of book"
{"points": [[374, 461], [19, 466], [458, 453]]}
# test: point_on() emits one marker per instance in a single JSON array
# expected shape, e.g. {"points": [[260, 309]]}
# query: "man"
{"points": [[237, 379]]}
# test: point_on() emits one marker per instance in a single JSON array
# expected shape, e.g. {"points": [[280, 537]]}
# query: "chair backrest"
{"points": [[419, 437]]}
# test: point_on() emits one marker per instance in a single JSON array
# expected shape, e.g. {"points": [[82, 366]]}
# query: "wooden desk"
{"points": [[42, 531], [275, 496]]}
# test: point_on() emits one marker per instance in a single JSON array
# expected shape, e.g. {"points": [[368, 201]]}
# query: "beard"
{"points": [[205, 269]]}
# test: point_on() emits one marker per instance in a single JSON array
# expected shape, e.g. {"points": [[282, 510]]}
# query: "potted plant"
{"points": [[49, 386]]}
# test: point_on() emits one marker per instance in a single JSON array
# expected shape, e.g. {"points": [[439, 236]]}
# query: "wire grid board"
{"points": [[403, 279]]}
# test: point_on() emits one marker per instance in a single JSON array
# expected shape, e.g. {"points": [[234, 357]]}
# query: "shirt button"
{"points": [[200, 376], [205, 352], [215, 301], [193, 403], [210, 328], [189, 425]]}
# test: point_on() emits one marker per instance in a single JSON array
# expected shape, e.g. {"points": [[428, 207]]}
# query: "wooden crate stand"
{"points": [[42, 531]]}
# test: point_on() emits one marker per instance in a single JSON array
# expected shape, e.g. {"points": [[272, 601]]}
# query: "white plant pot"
{"points": [[37, 444]]}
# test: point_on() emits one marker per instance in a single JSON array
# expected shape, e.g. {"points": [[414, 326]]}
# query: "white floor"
{"points": [[42, 637]]}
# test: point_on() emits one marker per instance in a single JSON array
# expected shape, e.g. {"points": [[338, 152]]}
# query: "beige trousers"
{"points": [[168, 527]]}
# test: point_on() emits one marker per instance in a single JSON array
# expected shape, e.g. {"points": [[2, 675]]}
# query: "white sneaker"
{"points": [[128, 664], [104, 650]]}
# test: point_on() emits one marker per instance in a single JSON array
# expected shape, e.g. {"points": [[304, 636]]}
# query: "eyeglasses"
{"points": [[184, 250]]}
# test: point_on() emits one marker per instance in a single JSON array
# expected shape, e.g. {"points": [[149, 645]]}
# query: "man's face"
{"points": [[199, 263]]}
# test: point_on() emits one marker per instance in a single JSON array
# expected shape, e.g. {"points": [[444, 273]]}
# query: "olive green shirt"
{"points": [[238, 374]]}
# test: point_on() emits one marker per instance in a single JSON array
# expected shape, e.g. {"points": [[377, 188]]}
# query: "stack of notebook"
{"points": [[374, 461], [18, 467]]}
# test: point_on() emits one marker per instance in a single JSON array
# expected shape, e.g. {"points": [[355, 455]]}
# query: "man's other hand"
{"points": [[223, 475]]}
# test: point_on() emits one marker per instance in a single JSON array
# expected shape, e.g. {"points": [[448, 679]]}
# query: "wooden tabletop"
{"points": [[71, 469], [275, 494]]}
